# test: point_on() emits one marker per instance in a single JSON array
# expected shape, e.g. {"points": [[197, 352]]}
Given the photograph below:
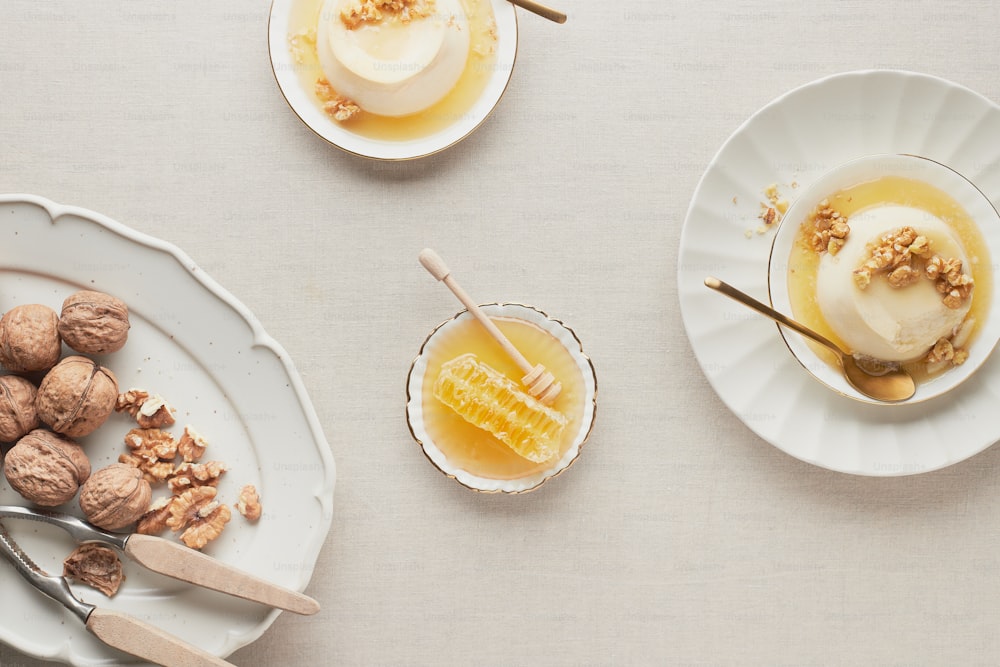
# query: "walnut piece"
{"points": [[199, 515], [29, 338], [154, 520], [335, 105], [191, 446], [76, 396], [828, 228], [115, 496], [46, 468], [96, 566], [18, 415], [94, 322], [152, 451], [193, 475], [148, 411], [249, 503]]}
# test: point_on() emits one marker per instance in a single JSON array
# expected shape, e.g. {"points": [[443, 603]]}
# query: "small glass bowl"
{"points": [[420, 380], [869, 168]]}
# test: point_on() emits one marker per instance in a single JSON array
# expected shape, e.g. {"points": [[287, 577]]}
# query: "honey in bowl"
{"points": [[473, 449]]}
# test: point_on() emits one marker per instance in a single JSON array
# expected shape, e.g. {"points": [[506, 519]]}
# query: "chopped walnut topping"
{"points": [[829, 229], [96, 566], [903, 276], [374, 11], [904, 255], [148, 411], [335, 105], [249, 503]]}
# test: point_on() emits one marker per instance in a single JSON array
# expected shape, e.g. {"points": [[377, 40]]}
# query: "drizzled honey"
{"points": [[472, 448]]}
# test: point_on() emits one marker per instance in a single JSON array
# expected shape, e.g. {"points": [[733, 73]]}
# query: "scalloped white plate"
{"points": [[304, 105], [795, 139], [199, 347]]}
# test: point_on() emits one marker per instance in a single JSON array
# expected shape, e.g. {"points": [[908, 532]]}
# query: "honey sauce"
{"points": [[804, 261], [479, 67], [471, 448]]}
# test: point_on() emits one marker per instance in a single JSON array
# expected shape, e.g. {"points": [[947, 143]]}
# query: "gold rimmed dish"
{"points": [[433, 130], [915, 184], [473, 458]]}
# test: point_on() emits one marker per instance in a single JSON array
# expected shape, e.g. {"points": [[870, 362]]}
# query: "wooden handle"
{"points": [[437, 268], [541, 10], [147, 642], [178, 561]]}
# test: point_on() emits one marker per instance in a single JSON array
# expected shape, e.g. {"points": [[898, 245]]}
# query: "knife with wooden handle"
{"points": [[178, 561], [145, 641]]}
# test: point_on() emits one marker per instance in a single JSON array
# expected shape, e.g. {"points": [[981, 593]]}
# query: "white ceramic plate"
{"points": [[794, 139], [195, 344], [304, 105], [417, 380]]}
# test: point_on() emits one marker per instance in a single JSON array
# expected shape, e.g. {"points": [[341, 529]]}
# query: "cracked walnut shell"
{"points": [[76, 396], [96, 566], [17, 407], [29, 338], [94, 322], [46, 468], [115, 496]]}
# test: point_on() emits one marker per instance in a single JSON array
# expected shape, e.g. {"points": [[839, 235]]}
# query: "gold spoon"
{"points": [[541, 10], [876, 379]]}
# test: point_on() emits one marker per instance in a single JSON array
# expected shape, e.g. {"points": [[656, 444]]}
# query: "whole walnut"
{"points": [[94, 322], [115, 496], [17, 407], [46, 468], [29, 338], [76, 396]]}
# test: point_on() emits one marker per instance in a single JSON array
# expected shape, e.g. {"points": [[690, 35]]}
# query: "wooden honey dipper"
{"points": [[540, 383]]}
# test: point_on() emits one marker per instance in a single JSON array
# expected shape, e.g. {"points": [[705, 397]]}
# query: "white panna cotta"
{"points": [[394, 67], [881, 321]]}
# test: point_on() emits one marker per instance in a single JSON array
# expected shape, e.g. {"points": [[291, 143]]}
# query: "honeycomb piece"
{"points": [[493, 402]]}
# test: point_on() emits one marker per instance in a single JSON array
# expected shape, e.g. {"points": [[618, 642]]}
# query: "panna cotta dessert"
{"points": [[392, 57], [891, 268], [885, 290]]}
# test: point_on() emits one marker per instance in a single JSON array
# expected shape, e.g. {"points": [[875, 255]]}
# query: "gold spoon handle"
{"points": [[541, 10], [751, 302]]}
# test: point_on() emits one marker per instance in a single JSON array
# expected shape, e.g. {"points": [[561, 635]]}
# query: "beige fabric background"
{"points": [[679, 538]]}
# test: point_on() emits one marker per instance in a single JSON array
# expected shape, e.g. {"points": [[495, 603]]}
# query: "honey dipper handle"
{"points": [[431, 261]]}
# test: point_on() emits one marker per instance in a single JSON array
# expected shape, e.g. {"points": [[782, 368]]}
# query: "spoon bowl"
{"points": [[879, 380]]}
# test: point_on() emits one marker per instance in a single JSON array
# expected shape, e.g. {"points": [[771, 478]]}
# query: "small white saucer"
{"points": [[282, 22]]}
